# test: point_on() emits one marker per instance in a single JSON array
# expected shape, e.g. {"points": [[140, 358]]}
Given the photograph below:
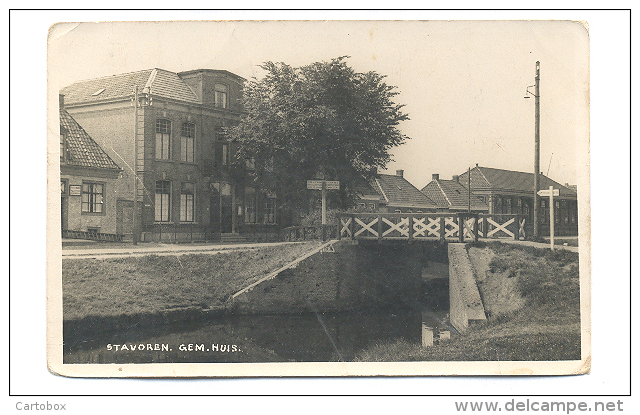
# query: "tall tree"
{"points": [[322, 119]]}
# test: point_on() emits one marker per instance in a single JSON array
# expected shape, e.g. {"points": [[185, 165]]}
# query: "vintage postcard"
{"points": [[318, 198]]}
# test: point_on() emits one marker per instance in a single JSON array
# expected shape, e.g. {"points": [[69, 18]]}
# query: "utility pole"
{"points": [[536, 163], [134, 224], [469, 186]]}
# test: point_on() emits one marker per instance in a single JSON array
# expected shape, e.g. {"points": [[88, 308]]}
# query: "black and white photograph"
{"points": [[318, 198]]}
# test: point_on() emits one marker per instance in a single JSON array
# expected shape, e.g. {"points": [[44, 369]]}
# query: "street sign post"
{"points": [[550, 194], [323, 185], [547, 193]]}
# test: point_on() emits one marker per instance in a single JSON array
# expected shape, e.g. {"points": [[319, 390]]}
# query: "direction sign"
{"points": [[317, 185], [314, 184], [547, 192], [333, 185]]}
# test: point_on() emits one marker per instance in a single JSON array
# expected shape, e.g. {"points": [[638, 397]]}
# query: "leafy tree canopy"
{"points": [[322, 119]]}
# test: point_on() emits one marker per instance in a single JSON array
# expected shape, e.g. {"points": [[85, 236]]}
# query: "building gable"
{"points": [[81, 149]]}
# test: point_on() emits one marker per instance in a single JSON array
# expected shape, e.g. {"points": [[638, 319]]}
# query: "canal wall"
{"points": [[338, 276], [465, 304]]}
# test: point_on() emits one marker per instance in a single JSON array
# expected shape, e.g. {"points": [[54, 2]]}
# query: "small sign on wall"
{"points": [[75, 190]]}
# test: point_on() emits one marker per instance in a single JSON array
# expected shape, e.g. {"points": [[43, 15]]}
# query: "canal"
{"points": [[304, 337]]}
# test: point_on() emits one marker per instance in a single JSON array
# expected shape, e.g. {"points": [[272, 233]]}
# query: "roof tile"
{"points": [[397, 191], [82, 150], [451, 194], [486, 178], [162, 83]]}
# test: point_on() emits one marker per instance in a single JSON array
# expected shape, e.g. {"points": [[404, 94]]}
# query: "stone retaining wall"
{"points": [[351, 275]]}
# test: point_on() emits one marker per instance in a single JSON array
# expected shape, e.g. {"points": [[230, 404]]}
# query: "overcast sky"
{"points": [[462, 82]]}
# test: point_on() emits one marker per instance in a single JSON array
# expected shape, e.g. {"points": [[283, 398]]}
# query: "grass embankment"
{"points": [[153, 283], [532, 302]]}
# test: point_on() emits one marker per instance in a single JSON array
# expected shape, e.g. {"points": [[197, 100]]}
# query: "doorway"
{"points": [[221, 208]]}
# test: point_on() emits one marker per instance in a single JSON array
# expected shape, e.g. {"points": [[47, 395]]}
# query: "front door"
{"points": [[220, 209]]}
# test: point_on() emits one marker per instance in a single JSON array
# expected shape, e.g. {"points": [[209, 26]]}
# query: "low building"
{"points": [[511, 192], [452, 196], [87, 184], [397, 195]]}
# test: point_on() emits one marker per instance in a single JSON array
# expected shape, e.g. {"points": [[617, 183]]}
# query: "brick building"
{"points": [[398, 195], [511, 192], [190, 186], [451, 195], [88, 179]]}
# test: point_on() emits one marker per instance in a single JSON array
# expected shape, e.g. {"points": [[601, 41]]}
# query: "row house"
{"points": [[452, 196], [88, 179], [511, 192], [171, 140], [398, 195]]}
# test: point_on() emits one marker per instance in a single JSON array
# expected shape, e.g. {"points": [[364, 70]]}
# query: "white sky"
{"points": [[462, 82]]}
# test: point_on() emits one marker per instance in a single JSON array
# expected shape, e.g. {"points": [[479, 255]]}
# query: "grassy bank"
{"points": [[532, 301], [152, 283]]}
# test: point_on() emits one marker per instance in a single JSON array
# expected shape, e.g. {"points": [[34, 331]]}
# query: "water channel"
{"points": [[308, 337]]}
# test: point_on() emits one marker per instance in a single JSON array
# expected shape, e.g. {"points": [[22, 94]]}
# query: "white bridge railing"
{"points": [[423, 226]]}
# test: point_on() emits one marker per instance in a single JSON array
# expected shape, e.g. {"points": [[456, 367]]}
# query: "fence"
{"points": [[171, 232], [303, 233], [443, 226], [95, 236]]}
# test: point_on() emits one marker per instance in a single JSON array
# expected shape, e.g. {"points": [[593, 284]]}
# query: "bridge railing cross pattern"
{"points": [[460, 226]]}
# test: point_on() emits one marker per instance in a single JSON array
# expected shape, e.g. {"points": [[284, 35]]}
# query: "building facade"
{"points": [[511, 192], [167, 130], [88, 179]]}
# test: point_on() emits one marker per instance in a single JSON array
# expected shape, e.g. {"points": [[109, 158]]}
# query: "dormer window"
{"points": [[221, 95]]}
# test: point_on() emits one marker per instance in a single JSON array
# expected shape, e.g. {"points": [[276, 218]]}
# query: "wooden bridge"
{"points": [[430, 226]]}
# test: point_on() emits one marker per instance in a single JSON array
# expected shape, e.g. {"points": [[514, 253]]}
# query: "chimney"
{"points": [[455, 178], [476, 164], [399, 173], [61, 100], [435, 176]]}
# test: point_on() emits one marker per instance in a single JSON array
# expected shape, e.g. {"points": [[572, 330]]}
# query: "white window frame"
{"points": [[187, 142]]}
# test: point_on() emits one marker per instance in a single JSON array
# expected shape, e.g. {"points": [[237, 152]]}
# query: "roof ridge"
{"points": [[113, 76], [443, 192], [152, 77], [483, 175], [382, 191]]}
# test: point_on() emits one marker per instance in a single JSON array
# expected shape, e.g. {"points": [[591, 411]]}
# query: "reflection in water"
{"points": [[263, 338], [434, 328], [309, 337]]}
